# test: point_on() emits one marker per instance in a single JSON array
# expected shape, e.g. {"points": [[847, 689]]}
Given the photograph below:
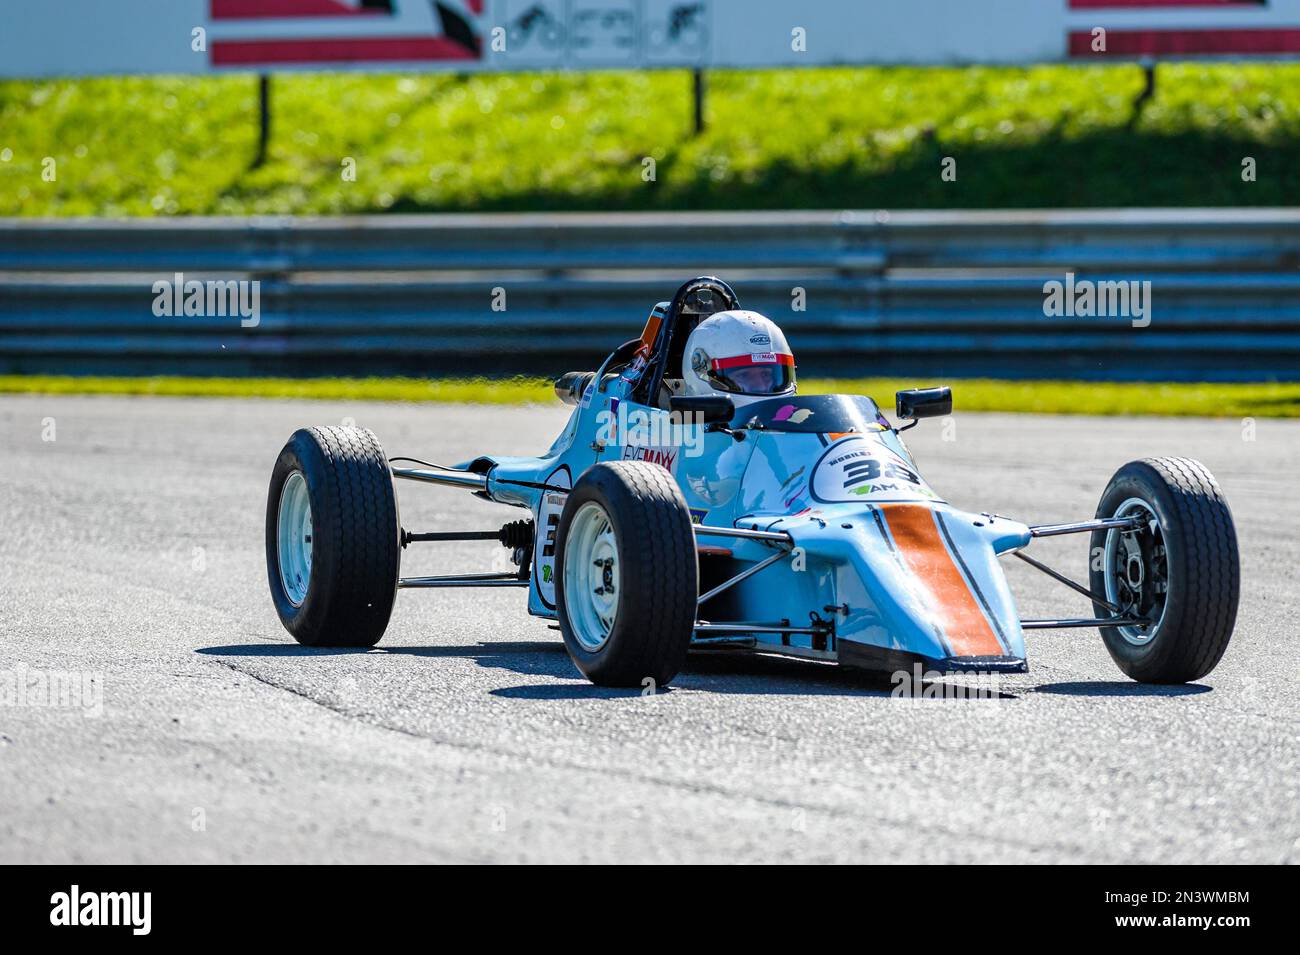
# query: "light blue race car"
{"points": [[661, 523]]}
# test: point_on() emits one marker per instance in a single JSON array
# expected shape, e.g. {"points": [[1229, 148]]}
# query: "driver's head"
{"points": [[738, 354]]}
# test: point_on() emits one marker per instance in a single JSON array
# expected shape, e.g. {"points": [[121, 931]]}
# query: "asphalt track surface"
{"points": [[131, 546]]}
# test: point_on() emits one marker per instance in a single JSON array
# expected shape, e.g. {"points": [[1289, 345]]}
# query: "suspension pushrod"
{"points": [[453, 536], [747, 572], [464, 580], [778, 536], [1084, 622], [741, 626], [1083, 527], [1073, 585], [449, 478]]}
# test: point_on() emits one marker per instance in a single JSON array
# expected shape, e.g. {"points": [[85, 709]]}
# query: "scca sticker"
{"points": [[859, 470]]}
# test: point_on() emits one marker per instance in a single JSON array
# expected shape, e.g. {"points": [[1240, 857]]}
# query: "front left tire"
{"points": [[333, 538], [627, 575]]}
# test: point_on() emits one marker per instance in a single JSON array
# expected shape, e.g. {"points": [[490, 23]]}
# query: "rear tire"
{"points": [[627, 577], [1183, 573], [333, 567]]}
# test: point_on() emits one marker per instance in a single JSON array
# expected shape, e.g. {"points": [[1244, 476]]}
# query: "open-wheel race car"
{"points": [[661, 522]]}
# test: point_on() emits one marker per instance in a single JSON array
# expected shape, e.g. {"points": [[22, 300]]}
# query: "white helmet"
{"points": [[739, 354]]}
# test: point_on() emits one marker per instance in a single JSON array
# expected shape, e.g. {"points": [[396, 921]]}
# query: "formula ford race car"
{"points": [[661, 523]]}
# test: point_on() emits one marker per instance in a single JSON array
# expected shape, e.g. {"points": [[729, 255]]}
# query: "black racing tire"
{"points": [[657, 579], [1201, 570], [354, 537]]}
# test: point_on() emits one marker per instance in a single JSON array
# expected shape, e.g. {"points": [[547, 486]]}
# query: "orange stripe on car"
{"points": [[940, 581], [651, 330]]}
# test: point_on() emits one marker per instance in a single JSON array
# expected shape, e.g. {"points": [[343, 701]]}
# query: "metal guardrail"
{"points": [[913, 293]]}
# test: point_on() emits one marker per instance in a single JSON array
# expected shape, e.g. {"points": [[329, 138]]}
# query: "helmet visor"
{"points": [[768, 373]]}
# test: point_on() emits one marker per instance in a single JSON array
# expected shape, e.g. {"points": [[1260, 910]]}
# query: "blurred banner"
{"points": [[87, 37]]}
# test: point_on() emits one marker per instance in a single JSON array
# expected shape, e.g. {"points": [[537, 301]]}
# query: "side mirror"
{"points": [[711, 409], [924, 402]]}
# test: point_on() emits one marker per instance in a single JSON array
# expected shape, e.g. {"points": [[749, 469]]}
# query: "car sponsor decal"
{"points": [[856, 469], [763, 358], [936, 578], [666, 458], [548, 525], [698, 514], [793, 413]]}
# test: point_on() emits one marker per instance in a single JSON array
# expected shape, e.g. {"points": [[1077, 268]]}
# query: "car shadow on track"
{"points": [[734, 675], [1122, 688], [527, 658], [748, 675]]}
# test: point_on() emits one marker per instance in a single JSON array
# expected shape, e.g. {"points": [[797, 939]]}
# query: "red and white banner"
{"points": [[73, 37], [1183, 28], [274, 33]]}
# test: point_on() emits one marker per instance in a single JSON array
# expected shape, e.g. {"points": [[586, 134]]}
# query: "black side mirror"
{"points": [[924, 402], [711, 409]]}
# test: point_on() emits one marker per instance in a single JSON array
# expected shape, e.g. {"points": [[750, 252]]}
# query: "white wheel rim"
{"points": [[1139, 573], [294, 538], [591, 576]]}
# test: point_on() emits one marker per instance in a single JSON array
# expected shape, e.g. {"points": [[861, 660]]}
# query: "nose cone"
{"points": [[923, 581]]}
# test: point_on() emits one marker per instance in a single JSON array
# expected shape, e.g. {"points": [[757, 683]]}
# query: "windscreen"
{"points": [[813, 414]]}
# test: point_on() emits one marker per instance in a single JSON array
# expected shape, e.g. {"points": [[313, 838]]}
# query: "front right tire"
{"points": [[1179, 569]]}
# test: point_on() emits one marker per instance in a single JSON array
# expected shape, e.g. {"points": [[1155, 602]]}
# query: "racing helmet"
{"points": [[739, 354]]}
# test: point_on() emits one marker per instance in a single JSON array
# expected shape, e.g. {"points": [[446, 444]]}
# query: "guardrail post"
{"points": [[697, 82], [1148, 90], [264, 120]]}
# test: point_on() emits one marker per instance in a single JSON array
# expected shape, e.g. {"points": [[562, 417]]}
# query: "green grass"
{"points": [[1265, 400], [510, 391], [1262, 400], [823, 138]]}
